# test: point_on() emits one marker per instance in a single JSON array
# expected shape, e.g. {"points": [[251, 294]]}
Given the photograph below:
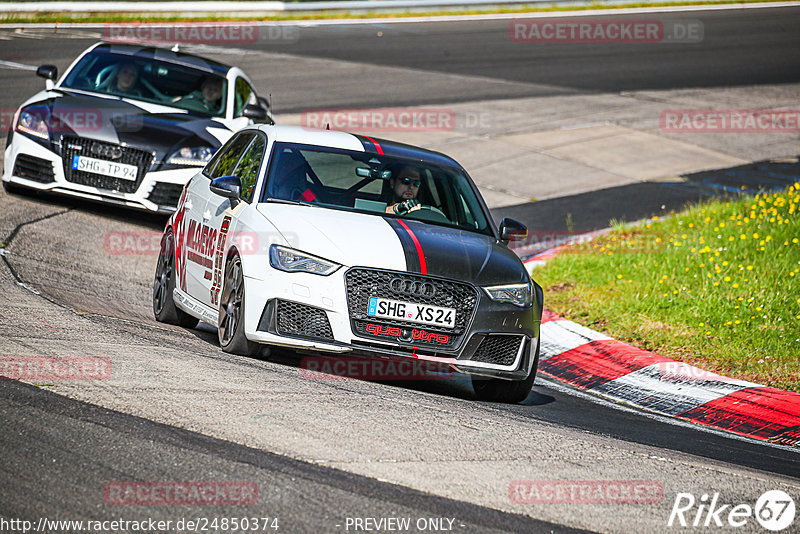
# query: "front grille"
{"points": [[498, 349], [72, 146], [33, 168], [165, 194], [299, 320], [365, 283]]}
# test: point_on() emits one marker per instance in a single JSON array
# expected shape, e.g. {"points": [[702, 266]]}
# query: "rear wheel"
{"points": [[231, 313], [499, 390], [164, 284]]}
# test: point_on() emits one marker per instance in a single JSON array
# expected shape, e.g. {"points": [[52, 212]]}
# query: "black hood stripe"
{"points": [[409, 248], [423, 265], [461, 255], [122, 122], [456, 254]]}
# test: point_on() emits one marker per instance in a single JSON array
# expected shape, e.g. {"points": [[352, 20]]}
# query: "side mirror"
{"points": [[511, 230], [257, 113], [264, 102], [49, 73], [228, 187]]}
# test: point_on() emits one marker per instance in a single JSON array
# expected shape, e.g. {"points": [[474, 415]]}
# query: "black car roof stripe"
{"points": [[392, 148]]}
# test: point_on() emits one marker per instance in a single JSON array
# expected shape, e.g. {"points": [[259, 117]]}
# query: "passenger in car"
{"points": [[208, 98], [127, 78]]}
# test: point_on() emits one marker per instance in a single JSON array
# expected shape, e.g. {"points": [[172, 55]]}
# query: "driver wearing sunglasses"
{"points": [[405, 187]]}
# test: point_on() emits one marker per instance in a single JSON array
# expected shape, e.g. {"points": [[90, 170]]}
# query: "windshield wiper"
{"points": [[290, 202]]}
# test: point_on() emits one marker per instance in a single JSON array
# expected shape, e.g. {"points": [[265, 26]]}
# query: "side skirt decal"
{"points": [[195, 308]]}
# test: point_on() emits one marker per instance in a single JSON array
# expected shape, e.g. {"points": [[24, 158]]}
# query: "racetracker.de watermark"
{"points": [[586, 492], [730, 121], [537, 241], [382, 119], [41, 121], [41, 368], [208, 33], [586, 30], [681, 372], [200, 239], [181, 493], [44, 122], [355, 368]]}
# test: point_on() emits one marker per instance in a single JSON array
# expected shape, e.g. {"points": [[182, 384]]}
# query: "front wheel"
{"points": [[499, 390], [164, 307], [231, 313]]}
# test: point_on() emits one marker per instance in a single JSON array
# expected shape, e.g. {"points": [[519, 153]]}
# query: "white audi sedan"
{"points": [[339, 243]]}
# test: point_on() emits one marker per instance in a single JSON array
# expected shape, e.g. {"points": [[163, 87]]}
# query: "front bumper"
{"points": [[42, 169], [314, 313]]}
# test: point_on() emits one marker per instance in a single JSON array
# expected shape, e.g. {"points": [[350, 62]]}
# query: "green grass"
{"points": [[61, 17], [716, 286]]}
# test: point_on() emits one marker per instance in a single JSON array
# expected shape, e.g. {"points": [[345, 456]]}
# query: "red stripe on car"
{"points": [[423, 268], [377, 146]]}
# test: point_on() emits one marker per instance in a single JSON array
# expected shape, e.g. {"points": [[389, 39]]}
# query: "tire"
{"points": [[231, 318], [499, 390], [164, 307]]}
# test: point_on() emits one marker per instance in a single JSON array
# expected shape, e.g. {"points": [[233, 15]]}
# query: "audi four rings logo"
{"points": [[413, 288], [112, 152]]}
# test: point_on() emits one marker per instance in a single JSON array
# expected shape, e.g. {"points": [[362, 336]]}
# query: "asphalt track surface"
{"points": [[89, 445], [94, 445], [744, 47], [739, 47]]}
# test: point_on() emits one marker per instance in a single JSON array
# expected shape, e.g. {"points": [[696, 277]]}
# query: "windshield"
{"points": [[151, 80], [376, 184]]}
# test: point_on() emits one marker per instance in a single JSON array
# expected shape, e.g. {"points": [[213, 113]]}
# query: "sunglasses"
{"points": [[405, 180]]}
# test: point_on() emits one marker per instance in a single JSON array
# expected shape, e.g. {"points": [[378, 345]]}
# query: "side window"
{"points": [[248, 167], [230, 156], [242, 96], [468, 218]]}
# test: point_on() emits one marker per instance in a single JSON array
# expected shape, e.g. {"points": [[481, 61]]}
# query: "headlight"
{"points": [[517, 294], [197, 156], [31, 124], [294, 261]]}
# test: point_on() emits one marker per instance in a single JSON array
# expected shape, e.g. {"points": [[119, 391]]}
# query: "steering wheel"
{"points": [[427, 213], [105, 76], [150, 87]]}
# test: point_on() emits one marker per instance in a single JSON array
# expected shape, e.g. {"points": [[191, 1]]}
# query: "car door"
{"points": [[222, 216], [190, 266], [199, 235]]}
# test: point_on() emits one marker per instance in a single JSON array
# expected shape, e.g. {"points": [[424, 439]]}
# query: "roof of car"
{"points": [[165, 54], [350, 141]]}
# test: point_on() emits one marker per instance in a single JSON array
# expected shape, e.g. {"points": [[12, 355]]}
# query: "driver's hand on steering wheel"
{"points": [[404, 207]]}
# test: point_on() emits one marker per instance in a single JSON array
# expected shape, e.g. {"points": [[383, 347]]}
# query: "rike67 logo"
{"points": [[774, 511]]}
